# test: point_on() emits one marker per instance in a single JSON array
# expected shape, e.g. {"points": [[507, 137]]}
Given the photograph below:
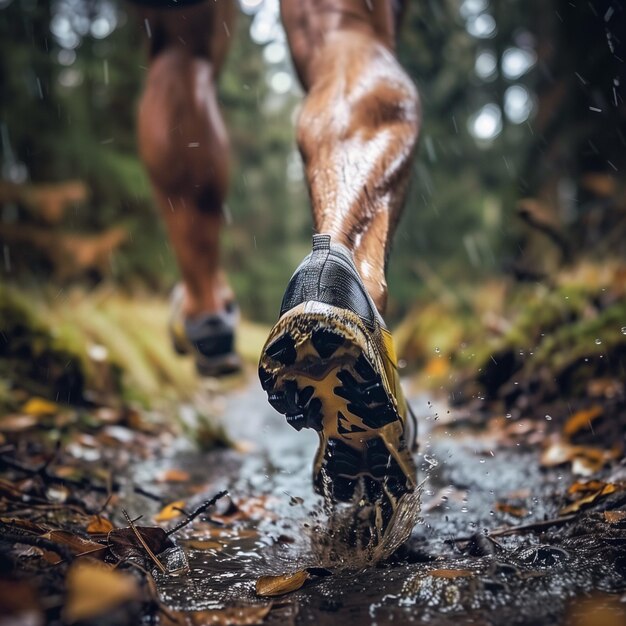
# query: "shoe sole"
{"points": [[320, 369]]}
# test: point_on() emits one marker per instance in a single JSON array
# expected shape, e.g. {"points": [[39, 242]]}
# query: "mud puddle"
{"points": [[450, 571]]}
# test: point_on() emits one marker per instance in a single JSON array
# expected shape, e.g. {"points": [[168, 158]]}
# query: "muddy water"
{"points": [[526, 579]]}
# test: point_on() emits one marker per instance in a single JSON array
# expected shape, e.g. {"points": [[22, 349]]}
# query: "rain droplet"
{"points": [[623, 330], [508, 416], [481, 461], [433, 462], [598, 341], [549, 417], [437, 350], [464, 509]]}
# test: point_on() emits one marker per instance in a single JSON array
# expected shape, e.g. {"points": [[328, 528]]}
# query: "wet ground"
{"points": [[450, 571]]}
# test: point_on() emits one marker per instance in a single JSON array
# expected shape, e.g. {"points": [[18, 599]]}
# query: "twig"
{"points": [[65, 553], [522, 528], [192, 516], [143, 543]]}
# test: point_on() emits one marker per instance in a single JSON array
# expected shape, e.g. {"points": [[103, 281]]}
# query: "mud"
{"points": [[449, 572]]}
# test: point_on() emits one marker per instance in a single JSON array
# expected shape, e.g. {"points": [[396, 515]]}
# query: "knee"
{"points": [[182, 139]]}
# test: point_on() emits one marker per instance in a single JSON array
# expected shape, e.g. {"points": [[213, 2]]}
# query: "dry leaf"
{"points": [[451, 573], [614, 517], [94, 589], [23, 524], [78, 545], [581, 420], [124, 544], [585, 460], [99, 525], [10, 490], [40, 407], [511, 509], [231, 616], [607, 489], [269, 586], [17, 423], [170, 512], [173, 476]]}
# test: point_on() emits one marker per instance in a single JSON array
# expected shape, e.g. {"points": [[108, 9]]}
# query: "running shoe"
{"points": [[329, 364], [210, 338]]}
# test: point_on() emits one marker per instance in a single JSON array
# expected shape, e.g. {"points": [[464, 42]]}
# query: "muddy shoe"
{"points": [[329, 365], [210, 338]]}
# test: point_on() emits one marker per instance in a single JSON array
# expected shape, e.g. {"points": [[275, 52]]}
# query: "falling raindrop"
{"points": [[433, 462]]}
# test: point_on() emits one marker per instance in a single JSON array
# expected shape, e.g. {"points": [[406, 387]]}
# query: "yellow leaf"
{"points": [[278, 585], [437, 367], [581, 420], [170, 512], [40, 406], [99, 525], [94, 589], [607, 489]]}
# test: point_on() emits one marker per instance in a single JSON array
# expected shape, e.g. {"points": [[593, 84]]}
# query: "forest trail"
{"points": [[477, 481]]}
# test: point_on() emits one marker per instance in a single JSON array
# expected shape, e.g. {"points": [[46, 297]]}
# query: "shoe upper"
{"points": [[328, 275]]}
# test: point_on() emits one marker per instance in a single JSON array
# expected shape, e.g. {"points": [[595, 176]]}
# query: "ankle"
{"points": [[206, 299]]}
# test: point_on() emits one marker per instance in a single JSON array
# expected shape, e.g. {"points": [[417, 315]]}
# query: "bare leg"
{"points": [[359, 125], [184, 144]]}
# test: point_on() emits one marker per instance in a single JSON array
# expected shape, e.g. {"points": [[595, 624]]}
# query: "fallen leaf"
{"points": [[77, 545], [511, 509], [581, 420], [10, 490], [94, 589], [585, 460], [585, 487], [170, 512], [607, 489], [40, 407], [268, 586], [23, 524], [17, 423], [173, 476], [230, 616], [19, 603], [124, 544], [614, 517], [99, 525], [437, 367], [451, 573]]}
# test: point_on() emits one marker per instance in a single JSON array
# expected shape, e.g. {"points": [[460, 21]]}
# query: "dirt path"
{"points": [[476, 484]]}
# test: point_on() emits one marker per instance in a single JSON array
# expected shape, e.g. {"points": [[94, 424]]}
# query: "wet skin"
{"points": [[357, 131]]}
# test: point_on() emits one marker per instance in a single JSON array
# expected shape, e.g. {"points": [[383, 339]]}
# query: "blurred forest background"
{"points": [[515, 225]]}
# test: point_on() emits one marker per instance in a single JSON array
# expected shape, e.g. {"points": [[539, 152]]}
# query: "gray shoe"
{"points": [[210, 337]]}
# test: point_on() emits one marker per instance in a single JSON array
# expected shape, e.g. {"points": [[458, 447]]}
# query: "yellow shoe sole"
{"points": [[322, 369]]}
